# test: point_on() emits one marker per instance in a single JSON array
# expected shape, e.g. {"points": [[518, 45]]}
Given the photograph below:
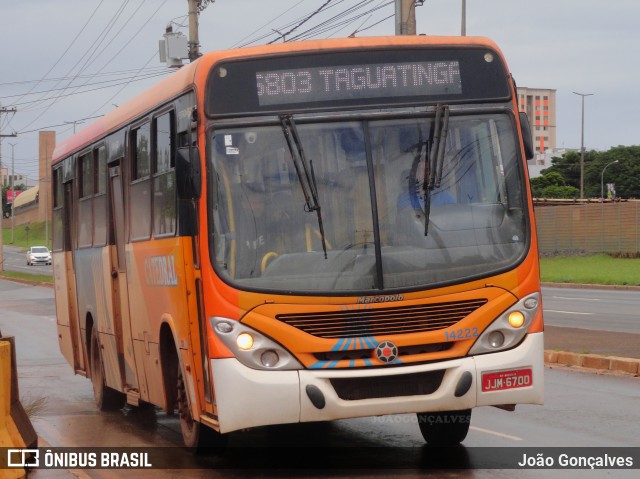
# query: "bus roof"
{"points": [[196, 73]]}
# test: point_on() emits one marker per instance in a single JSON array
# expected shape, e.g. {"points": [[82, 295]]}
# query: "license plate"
{"points": [[498, 381]]}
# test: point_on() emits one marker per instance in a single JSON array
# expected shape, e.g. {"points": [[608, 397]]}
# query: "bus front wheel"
{"points": [[196, 436], [444, 428], [107, 399]]}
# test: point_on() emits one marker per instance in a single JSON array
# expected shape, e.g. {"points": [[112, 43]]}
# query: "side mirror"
{"points": [[525, 128], [188, 173]]}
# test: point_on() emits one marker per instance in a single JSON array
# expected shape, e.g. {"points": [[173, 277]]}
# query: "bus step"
{"points": [[133, 397]]}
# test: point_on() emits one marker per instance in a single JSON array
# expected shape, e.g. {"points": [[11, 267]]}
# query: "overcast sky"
{"points": [[53, 50]]}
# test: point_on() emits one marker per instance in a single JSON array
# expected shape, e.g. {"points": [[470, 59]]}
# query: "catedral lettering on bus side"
{"points": [[160, 271], [292, 229]]}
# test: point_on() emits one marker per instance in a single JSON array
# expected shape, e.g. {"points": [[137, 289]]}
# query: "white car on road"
{"points": [[38, 255]]}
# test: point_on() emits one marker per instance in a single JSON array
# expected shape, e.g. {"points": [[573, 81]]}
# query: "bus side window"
{"points": [[140, 205], [58, 211], [85, 200], [100, 199], [164, 176]]}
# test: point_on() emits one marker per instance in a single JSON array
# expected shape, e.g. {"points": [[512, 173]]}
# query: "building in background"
{"points": [[34, 204], [5, 178], [540, 106]]}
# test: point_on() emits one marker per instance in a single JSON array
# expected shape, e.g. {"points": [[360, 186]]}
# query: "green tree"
{"points": [[568, 167], [566, 192], [625, 174]]}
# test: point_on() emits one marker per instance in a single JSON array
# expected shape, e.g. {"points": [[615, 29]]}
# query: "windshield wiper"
{"points": [[304, 171], [434, 160]]}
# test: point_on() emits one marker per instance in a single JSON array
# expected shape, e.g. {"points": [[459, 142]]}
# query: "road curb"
{"points": [[593, 361], [26, 281], [613, 287]]}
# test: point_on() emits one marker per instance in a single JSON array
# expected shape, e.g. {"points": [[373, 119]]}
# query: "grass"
{"points": [[32, 278], [23, 238], [31, 234], [596, 269], [34, 407]]}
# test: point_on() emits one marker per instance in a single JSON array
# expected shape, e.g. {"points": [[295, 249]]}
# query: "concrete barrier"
{"points": [[593, 361], [16, 430]]}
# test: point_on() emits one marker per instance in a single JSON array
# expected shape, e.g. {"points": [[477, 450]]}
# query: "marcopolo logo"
{"points": [[387, 352]]}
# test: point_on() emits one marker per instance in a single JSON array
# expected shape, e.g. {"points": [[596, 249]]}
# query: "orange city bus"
{"points": [[306, 232]]}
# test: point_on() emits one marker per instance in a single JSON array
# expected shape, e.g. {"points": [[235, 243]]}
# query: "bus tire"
{"points": [[107, 399], [195, 435], [444, 428]]}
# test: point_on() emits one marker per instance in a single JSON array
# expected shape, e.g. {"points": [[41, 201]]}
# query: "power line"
{"points": [[90, 56], [343, 18], [89, 52], [105, 74], [67, 49], [154, 71], [237, 44], [60, 124], [309, 17], [127, 82]]}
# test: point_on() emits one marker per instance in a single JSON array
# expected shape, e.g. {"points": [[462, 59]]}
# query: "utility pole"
{"points": [[3, 110], [582, 145], [405, 17], [463, 28], [194, 42], [12, 181]]}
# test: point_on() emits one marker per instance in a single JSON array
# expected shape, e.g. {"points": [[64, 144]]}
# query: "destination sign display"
{"points": [[358, 81], [358, 78]]}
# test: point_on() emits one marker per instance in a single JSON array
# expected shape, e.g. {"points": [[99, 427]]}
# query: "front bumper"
{"points": [[247, 397], [35, 260]]}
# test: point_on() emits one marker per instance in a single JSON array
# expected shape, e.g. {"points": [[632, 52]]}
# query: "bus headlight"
{"points": [[244, 341], [252, 348], [516, 319], [509, 328]]}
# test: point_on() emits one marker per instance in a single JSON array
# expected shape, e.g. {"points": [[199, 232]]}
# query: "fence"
{"points": [[602, 227]]}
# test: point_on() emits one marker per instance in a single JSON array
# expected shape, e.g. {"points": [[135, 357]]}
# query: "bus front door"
{"points": [[68, 322], [120, 294]]}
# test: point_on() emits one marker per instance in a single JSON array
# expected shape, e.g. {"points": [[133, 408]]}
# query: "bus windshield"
{"points": [[393, 215]]}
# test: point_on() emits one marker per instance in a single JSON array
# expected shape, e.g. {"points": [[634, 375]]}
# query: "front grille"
{"points": [[353, 354], [382, 321], [419, 384]]}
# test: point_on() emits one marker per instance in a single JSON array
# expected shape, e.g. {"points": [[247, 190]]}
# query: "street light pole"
{"points": [[582, 145], [12, 182], [602, 179], [463, 26]]}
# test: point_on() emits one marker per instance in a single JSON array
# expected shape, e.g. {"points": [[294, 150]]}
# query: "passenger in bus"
{"points": [[268, 205]]}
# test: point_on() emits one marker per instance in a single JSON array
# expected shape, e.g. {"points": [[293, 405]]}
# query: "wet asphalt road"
{"points": [[582, 409], [15, 259]]}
